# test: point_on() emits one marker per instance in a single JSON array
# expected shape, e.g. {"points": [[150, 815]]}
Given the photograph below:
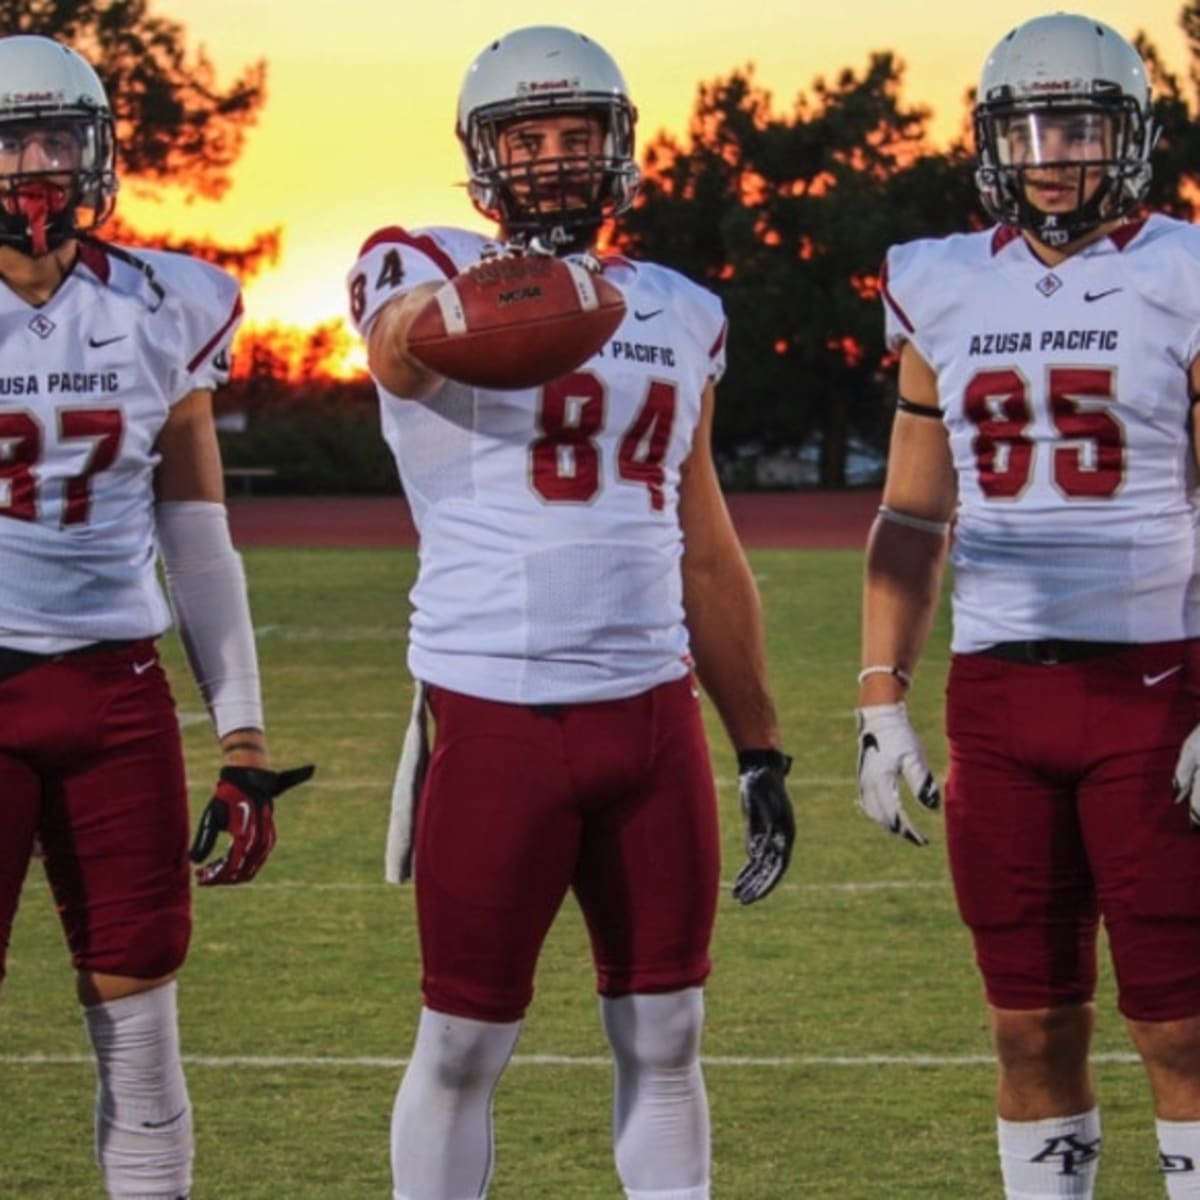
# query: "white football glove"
{"points": [[888, 748], [1187, 776]]}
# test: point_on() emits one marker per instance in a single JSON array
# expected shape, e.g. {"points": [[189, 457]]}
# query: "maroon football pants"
{"points": [[613, 800], [91, 763], [1059, 812]]}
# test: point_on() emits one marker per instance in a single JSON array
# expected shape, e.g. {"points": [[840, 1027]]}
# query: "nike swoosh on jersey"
{"points": [[1151, 680], [96, 343], [1090, 297], [645, 316]]}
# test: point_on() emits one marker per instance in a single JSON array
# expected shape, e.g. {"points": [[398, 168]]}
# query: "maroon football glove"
{"points": [[243, 806]]}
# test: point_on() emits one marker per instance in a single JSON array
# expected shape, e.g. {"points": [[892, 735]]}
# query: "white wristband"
{"points": [[921, 524], [896, 672]]}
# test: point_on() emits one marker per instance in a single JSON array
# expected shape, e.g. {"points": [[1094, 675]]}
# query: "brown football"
{"points": [[516, 322]]}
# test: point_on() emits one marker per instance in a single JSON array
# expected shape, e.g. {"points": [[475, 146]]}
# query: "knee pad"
{"points": [[661, 1141], [655, 1030], [143, 1115], [463, 1054]]}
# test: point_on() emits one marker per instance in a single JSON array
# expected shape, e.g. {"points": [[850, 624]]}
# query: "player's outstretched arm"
{"points": [[725, 627], [906, 551], [207, 586], [387, 347]]}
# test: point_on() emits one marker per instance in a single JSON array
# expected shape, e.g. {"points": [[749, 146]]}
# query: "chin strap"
{"points": [[1060, 229]]}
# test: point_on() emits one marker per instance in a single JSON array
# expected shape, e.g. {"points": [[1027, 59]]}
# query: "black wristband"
{"points": [[776, 760]]}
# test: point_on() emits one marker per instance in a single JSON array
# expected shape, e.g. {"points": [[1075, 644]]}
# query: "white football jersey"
{"points": [[1065, 393], [550, 541], [86, 382]]}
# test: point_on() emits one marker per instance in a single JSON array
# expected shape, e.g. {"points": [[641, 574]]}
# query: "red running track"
{"points": [[780, 520]]}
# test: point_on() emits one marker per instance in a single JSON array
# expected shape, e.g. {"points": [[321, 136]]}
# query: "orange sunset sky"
{"points": [[357, 131]]}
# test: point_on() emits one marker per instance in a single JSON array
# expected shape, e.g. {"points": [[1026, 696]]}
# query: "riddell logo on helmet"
{"points": [[1053, 85], [32, 97], [533, 86]]}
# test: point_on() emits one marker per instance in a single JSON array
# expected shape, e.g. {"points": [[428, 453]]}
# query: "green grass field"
{"points": [[847, 1050]]}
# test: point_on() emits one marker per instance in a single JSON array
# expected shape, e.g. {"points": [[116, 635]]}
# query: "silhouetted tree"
{"points": [[1177, 156], [787, 217]]}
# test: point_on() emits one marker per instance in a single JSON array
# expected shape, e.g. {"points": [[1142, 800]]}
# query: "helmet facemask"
{"points": [[1099, 146], [560, 200], [57, 177]]}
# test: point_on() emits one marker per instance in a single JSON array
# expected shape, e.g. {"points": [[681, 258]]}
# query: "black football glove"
{"points": [[243, 805], [770, 825]]}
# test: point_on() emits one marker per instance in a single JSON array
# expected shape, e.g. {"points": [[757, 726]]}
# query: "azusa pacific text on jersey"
{"points": [[76, 382], [641, 352], [83, 382], [1021, 341]]}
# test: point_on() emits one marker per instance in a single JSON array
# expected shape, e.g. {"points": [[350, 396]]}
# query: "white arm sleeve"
{"points": [[207, 587]]}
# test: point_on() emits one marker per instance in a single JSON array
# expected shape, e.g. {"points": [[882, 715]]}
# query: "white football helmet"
{"points": [[1058, 92], [539, 72], [57, 149]]}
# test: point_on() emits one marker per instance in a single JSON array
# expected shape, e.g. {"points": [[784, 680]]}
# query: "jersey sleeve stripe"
{"points": [[394, 235], [891, 301], [214, 341], [719, 344]]}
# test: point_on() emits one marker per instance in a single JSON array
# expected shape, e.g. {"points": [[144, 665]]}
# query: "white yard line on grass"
{"points": [[785, 1062], [384, 786], [867, 885]]}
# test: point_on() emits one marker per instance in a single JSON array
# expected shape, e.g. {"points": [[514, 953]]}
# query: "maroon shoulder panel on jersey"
{"points": [[93, 256], [394, 235], [1003, 236], [1124, 234]]}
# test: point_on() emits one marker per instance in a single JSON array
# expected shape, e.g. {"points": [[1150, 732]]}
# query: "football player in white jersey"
{"points": [[1048, 368], [110, 459], [577, 564]]}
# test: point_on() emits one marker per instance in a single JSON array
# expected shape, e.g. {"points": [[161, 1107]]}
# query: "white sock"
{"points": [[442, 1118], [660, 1109], [1179, 1157], [143, 1116], [1052, 1158]]}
